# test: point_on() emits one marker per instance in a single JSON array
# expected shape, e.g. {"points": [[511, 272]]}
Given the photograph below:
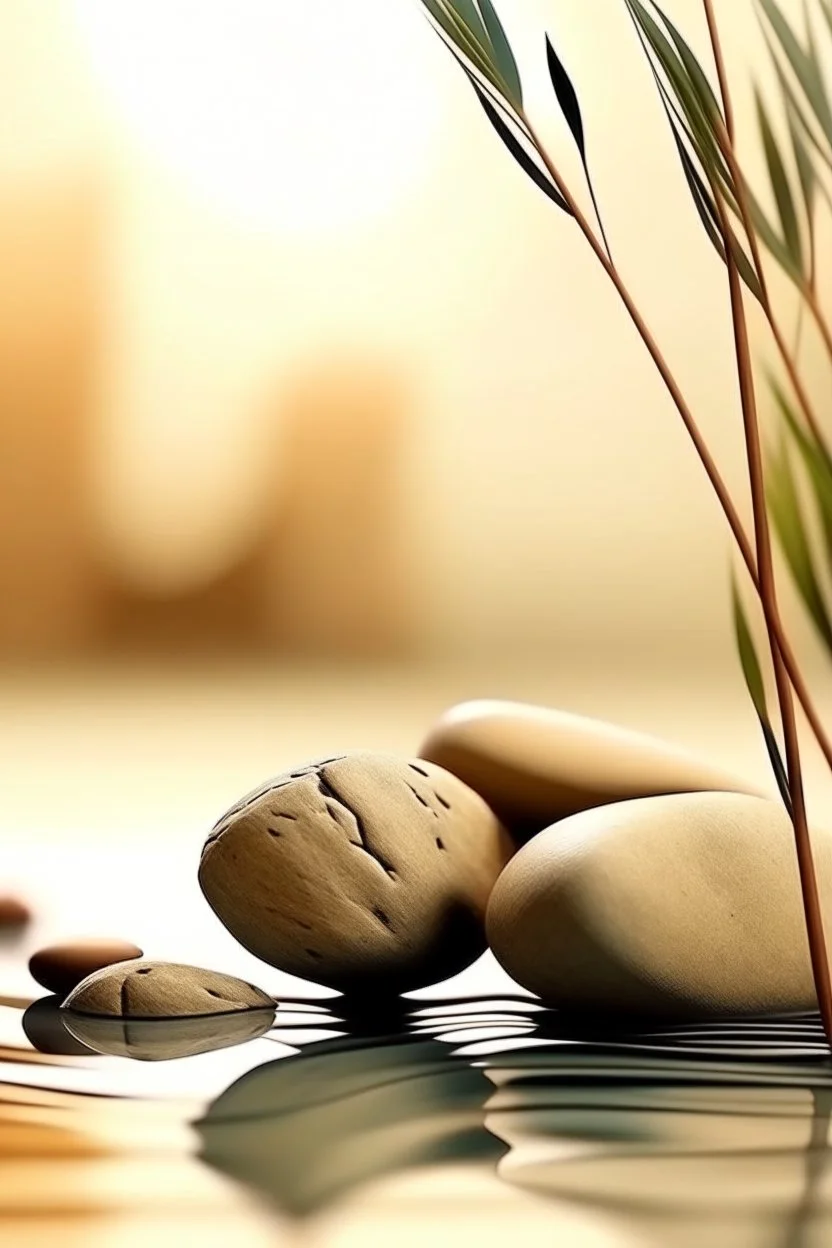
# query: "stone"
{"points": [[534, 765], [367, 873], [59, 968], [145, 989], [14, 913], [164, 1039], [687, 906]]}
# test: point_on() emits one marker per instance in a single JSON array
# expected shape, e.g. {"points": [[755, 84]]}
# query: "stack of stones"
{"points": [[606, 871]]}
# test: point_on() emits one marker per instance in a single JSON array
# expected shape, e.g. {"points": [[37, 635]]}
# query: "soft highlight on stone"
{"points": [[533, 765], [686, 905]]}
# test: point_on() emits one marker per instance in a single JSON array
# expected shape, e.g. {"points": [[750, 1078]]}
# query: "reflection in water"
{"points": [[681, 1133], [680, 1136], [162, 1040], [46, 1030]]}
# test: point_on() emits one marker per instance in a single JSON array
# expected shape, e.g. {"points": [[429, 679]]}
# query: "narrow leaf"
{"points": [[519, 153], [816, 461], [503, 55], [806, 172], [748, 655], [566, 96], [777, 765], [457, 36], [756, 689], [699, 118], [805, 70], [696, 73], [790, 227], [769, 236], [708, 215], [784, 505], [570, 107]]}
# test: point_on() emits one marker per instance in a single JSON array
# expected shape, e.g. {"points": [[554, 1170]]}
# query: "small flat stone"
{"points": [[163, 1039], [533, 764], [687, 906], [14, 912], [60, 967], [145, 989]]}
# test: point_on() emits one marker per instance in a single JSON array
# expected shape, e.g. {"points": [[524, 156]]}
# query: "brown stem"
{"points": [[768, 586], [727, 141], [768, 590], [772, 616]]}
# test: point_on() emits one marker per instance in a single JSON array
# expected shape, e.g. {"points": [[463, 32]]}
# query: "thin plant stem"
{"points": [[727, 135], [768, 586], [711, 469]]}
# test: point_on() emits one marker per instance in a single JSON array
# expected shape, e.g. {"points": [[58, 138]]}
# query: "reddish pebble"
{"points": [[60, 968], [13, 912]]}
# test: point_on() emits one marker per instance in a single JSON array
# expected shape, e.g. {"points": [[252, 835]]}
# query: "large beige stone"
{"points": [[534, 765], [367, 873], [686, 905]]}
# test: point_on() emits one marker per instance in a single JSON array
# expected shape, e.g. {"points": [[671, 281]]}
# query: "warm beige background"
{"points": [[270, 184]]}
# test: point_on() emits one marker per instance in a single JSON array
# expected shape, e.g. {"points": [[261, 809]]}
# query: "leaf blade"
{"points": [[519, 153], [786, 211], [784, 505], [503, 54]]}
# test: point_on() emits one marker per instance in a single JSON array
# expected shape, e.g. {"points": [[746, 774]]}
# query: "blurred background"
{"points": [[316, 416]]}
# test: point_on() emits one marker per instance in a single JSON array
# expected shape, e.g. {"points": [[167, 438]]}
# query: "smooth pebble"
{"points": [[60, 967], [686, 905], [534, 765], [146, 989], [367, 873]]}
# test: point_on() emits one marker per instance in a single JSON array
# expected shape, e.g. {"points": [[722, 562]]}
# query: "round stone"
{"points": [[686, 905], [533, 765], [60, 967], [145, 989], [367, 873]]}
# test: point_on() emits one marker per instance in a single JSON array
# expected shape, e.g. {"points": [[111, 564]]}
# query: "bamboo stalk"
{"points": [[768, 585], [726, 502]]}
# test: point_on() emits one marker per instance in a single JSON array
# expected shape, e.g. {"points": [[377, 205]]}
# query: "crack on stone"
{"points": [[422, 801], [328, 792], [419, 770]]}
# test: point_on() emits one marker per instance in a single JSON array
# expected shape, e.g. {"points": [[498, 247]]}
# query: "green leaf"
{"points": [[748, 655], [816, 461], [806, 172], [570, 107], [784, 506], [790, 227], [804, 67], [696, 73], [699, 118], [517, 150], [770, 238], [756, 689], [457, 36], [503, 55]]}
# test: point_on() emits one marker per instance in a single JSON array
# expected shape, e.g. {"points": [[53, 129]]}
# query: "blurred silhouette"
{"points": [[49, 582]]}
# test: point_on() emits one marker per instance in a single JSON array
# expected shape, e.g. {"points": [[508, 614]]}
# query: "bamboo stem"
{"points": [[714, 476], [768, 585]]}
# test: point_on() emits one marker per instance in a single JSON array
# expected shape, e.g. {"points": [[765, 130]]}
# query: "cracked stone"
{"points": [[367, 873]]}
